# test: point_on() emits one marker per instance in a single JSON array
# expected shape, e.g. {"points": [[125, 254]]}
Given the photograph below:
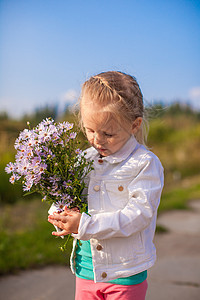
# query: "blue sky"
{"points": [[48, 48]]}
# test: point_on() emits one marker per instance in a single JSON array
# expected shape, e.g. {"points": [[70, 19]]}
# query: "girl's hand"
{"points": [[68, 221]]}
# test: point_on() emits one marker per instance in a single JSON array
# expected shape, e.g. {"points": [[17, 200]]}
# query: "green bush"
{"points": [[9, 193], [25, 237], [159, 132]]}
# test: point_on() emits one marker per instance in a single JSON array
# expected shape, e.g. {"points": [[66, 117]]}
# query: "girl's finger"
{"points": [[54, 216], [50, 220], [66, 208], [57, 217], [56, 223], [67, 212], [76, 209], [71, 210], [60, 233]]}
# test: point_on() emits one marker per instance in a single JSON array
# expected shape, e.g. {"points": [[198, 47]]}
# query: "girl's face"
{"points": [[103, 131]]}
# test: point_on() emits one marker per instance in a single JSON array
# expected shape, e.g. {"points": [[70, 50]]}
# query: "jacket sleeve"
{"points": [[144, 197]]}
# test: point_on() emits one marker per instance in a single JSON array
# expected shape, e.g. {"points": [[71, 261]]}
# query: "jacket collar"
{"points": [[118, 156]]}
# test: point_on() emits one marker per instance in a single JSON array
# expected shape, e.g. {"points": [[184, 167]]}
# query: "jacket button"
{"points": [[120, 188], [96, 188], [104, 275], [100, 161], [99, 247]]}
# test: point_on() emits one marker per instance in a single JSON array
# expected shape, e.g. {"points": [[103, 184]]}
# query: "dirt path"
{"points": [[175, 276]]}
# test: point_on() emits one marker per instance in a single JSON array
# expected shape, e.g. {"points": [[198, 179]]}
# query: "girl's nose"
{"points": [[98, 138]]}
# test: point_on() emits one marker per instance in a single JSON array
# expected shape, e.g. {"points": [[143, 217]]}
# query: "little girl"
{"points": [[113, 244]]}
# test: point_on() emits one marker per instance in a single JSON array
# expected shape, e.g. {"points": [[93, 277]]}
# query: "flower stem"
{"points": [[64, 247]]}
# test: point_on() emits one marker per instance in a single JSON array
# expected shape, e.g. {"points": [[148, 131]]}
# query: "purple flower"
{"points": [[40, 168], [31, 178], [65, 125], [27, 186], [78, 151], [13, 178], [17, 143], [67, 184], [52, 179], [45, 156], [56, 194], [44, 136], [23, 166], [36, 160], [67, 198], [60, 205], [10, 168], [47, 121], [31, 142], [22, 148], [72, 135], [25, 134], [55, 187]]}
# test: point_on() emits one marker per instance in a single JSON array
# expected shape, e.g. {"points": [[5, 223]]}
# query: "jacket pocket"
{"points": [[117, 194], [123, 250]]}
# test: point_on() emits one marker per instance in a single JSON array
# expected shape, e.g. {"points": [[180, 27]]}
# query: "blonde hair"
{"points": [[119, 94]]}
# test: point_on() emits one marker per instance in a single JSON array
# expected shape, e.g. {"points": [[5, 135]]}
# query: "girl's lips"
{"points": [[101, 149]]}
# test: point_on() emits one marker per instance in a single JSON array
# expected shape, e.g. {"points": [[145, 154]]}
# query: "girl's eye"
{"points": [[89, 130], [108, 134]]}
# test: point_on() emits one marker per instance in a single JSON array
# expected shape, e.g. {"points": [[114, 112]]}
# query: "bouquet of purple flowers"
{"points": [[49, 162]]}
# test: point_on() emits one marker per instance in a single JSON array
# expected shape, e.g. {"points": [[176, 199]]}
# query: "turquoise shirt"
{"points": [[84, 266]]}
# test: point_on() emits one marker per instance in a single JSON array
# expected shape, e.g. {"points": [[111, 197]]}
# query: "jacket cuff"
{"points": [[84, 221]]}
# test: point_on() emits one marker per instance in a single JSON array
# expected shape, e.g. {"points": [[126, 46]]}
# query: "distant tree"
{"points": [[177, 108], [42, 113], [4, 116]]}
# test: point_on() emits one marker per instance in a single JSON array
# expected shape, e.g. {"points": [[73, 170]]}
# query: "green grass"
{"points": [[161, 229], [178, 196], [26, 240]]}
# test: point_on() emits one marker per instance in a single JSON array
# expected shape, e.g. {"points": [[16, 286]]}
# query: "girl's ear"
{"points": [[136, 124]]}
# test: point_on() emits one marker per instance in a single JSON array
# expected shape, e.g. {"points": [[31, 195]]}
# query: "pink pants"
{"points": [[89, 290]]}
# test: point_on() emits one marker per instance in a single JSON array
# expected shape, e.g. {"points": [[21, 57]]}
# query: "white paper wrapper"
{"points": [[51, 210]]}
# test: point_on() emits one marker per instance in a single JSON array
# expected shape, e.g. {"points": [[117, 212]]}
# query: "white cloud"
{"points": [[194, 93], [69, 97], [194, 96]]}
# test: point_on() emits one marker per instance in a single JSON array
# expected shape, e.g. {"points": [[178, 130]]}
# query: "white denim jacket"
{"points": [[124, 192]]}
